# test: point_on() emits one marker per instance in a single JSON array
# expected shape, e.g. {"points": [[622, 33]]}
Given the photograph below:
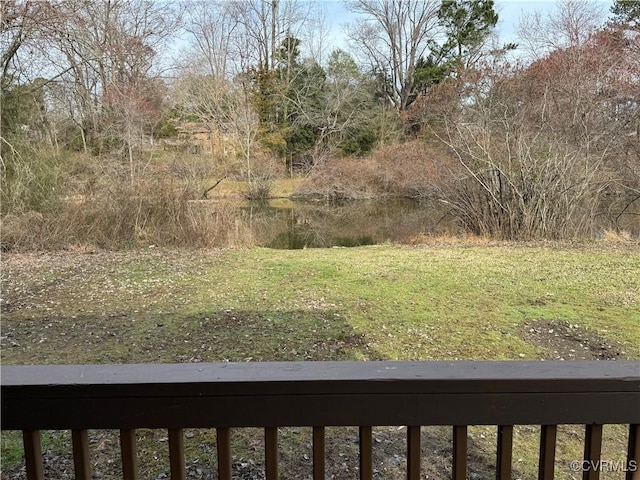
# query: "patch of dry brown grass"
{"points": [[412, 169], [123, 216], [448, 239], [104, 203], [616, 237]]}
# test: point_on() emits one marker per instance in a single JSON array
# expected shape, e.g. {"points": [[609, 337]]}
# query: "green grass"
{"points": [[380, 302], [368, 303]]}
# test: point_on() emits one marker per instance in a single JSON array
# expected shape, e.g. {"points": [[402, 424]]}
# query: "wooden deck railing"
{"points": [[320, 394]]}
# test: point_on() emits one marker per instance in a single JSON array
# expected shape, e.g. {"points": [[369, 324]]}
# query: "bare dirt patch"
{"points": [[566, 341]]}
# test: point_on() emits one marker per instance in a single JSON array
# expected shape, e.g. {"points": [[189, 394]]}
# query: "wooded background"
{"points": [[97, 116]]}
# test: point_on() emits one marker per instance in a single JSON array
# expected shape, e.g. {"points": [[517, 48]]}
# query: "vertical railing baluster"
{"points": [[271, 452], [633, 453], [81, 459], [504, 452], [223, 436], [366, 453], [129, 454], [460, 452], [413, 453], [33, 454], [546, 464], [318, 453], [176, 454], [592, 449]]}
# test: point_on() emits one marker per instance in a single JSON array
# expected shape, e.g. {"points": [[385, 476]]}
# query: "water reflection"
{"points": [[298, 225]]}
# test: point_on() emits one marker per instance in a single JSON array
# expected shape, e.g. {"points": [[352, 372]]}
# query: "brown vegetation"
{"points": [[98, 207], [541, 148], [412, 169]]}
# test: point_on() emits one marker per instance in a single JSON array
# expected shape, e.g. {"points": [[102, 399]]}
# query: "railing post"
{"points": [[592, 449], [318, 453], [460, 452], [33, 454], [546, 466], [129, 454], [81, 459], [505, 449], [413, 453], [176, 454], [224, 453], [271, 453], [633, 453], [366, 453]]}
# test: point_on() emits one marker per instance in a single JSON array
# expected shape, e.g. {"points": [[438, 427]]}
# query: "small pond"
{"points": [[305, 224], [295, 225]]}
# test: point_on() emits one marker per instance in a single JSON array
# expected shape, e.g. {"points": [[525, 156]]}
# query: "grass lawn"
{"points": [[489, 302]]}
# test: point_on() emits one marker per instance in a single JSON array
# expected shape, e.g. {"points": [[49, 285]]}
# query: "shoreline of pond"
{"points": [[313, 222]]}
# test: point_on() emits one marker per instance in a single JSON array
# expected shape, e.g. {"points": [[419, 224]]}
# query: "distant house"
{"points": [[201, 138]]}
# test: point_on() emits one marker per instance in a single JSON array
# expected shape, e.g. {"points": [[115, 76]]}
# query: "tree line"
{"points": [[537, 140]]}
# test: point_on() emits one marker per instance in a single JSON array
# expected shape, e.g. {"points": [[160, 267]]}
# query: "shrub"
{"points": [[107, 211], [31, 178], [412, 169]]}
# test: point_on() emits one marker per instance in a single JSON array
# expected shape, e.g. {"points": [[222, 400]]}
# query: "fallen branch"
{"points": [[206, 192]]}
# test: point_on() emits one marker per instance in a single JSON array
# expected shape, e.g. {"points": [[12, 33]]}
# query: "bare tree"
{"points": [[134, 109], [393, 35], [24, 27], [521, 180], [335, 104], [224, 107], [21, 22], [212, 27], [264, 25], [539, 146], [570, 26], [105, 45], [315, 34]]}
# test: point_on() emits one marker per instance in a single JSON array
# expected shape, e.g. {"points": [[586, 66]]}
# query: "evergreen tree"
{"points": [[627, 12], [467, 23]]}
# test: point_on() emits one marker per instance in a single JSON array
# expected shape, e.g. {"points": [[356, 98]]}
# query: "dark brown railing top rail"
{"points": [[319, 393]]}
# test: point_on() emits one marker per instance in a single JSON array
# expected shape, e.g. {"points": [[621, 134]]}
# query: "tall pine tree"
{"points": [[467, 23], [627, 12]]}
